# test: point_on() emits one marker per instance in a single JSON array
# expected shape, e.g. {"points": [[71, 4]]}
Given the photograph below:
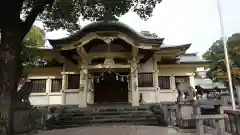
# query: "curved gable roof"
{"points": [[101, 26]]}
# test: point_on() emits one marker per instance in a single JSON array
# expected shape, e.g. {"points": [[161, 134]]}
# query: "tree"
{"points": [[34, 39], [218, 69], [18, 16]]}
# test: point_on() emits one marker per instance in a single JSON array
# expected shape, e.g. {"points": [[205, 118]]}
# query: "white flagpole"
{"points": [[226, 56]]}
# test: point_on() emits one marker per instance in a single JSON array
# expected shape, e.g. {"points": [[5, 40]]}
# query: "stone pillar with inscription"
{"points": [[134, 78]]}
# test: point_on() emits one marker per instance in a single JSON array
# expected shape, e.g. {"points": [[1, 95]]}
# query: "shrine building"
{"points": [[109, 62]]}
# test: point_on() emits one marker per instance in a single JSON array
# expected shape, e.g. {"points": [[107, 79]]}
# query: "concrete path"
{"points": [[115, 130]]}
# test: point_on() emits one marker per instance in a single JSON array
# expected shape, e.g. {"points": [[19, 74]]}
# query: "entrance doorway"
{"points": [[110, 88]]}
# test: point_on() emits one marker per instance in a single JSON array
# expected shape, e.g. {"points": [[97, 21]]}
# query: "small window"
{"points": [[73, 81], [56, 85], [164, 82], [145, 80], [38, 85]]}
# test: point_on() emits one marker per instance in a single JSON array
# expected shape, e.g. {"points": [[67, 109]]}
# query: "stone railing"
{"points": [[217, 118], [232, 122], [188, 116], [210, 113]]}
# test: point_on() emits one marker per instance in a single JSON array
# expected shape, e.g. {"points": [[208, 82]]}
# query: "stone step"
{"points": [[110, 115], [116, 120], [106, 113], [111, 109], [107, 116], [100, 124]]}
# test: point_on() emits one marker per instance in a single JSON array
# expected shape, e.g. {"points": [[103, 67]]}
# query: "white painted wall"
{"points": [[38, 100], [168, 96], [148, 96], [55, 99], [72, 98]]}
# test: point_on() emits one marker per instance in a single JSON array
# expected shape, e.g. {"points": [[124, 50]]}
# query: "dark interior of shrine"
{"points": [[111, 87]]}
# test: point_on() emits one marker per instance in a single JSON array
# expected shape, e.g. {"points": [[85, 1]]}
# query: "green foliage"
{"points": [[216, 54], [35, 38], [66, 13]]}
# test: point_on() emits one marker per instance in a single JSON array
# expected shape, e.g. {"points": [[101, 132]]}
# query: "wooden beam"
{"points": [[99, 66], [183, 65], [83, 54], [126, 55]]}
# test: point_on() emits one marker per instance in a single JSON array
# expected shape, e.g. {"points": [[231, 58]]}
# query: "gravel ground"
{"points": [[114, 130]]}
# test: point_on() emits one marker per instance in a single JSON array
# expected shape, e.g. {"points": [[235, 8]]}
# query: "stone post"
{"points": [[220, 124], [199, 122], [134, 78]]}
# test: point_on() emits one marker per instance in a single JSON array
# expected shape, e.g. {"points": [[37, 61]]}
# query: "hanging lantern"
{"points": [[98, 80], [127, 79], [122, 79], [109, 71], [102, 78], [116, 77]]}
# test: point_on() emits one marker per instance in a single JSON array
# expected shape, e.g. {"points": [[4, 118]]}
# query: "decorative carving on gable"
{"points": [[107, 39], [109, 61]]}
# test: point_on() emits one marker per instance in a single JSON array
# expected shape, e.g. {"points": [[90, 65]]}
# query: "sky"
{"points": [[181, 22]]}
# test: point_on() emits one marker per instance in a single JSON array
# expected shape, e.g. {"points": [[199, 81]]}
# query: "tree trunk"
{"points": [[10, 72]]}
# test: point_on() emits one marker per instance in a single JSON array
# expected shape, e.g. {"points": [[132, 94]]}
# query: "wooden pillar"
{"points": [[155, 79], [192, 81], [134, 78], [83, 87], [173, 82], [64, 85], [48, 88]]}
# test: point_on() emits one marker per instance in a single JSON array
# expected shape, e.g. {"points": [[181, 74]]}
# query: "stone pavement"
{"points": [[115, 130]]}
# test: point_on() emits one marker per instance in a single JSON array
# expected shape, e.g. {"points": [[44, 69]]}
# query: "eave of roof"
{"points": [[209, 85], [102, 26], [170, 47], [189, 59]]}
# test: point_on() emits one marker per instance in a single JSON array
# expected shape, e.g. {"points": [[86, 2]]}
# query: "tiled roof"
{"points": [[207, 84], [191, 58], [101, 26]]}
